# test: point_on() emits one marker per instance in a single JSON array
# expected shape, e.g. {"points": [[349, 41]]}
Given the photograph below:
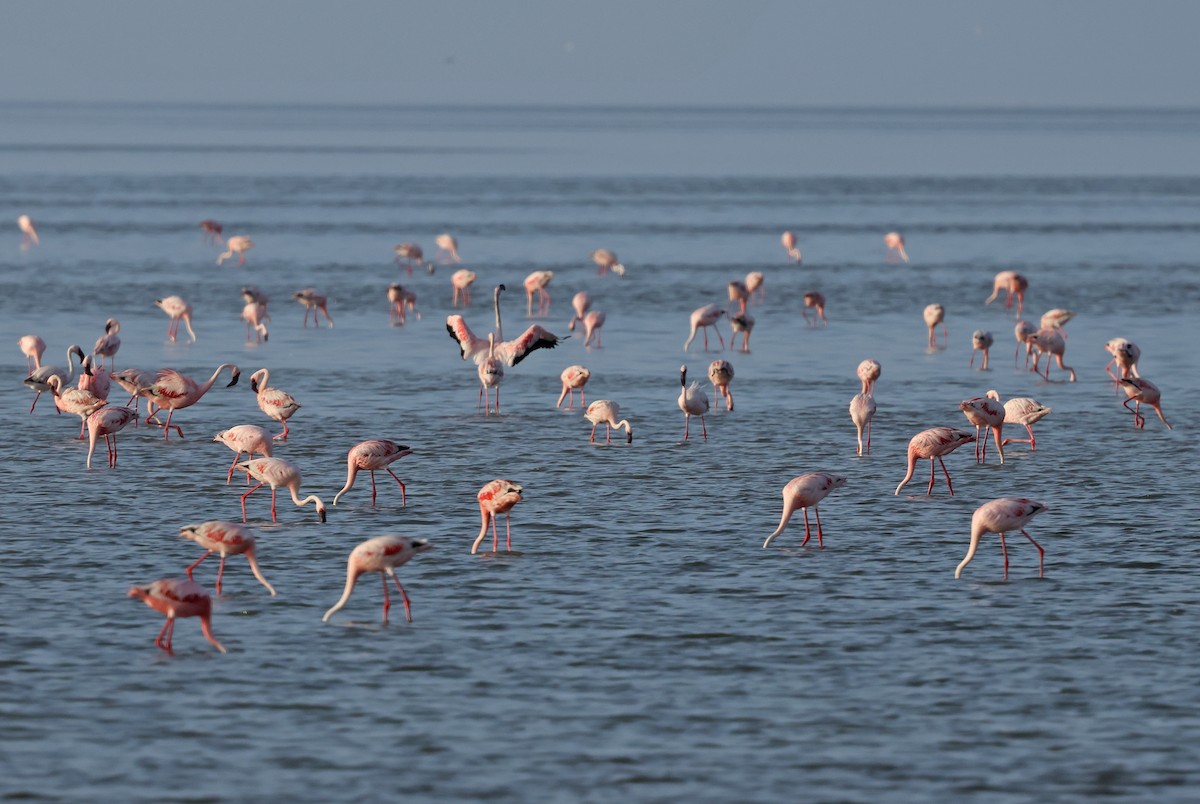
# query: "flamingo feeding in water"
{"points": [[862, 410], [107, 422], [985, 411], [239, 245], [805, 492], [28, 232], [537, 282], [33, 347], [1050, 342], [371, 456], [693, 402], [703, 318], [108, 343], [461, 281], [814, 301], [606, 412], [176, 598], [495, 498], [278, 472], [592, 324], [383, 554], [573, 377], [607, 261], [315, 303], [935, 314], [789, 245], [1014, 284], [1056, 318], [754, 284], [981, 341], [447, 247], [176, 309], [171, 391], [402, 300], [1025, 411], [1024, 332], [136, 383], [255, 315], [743, 324], [581, 302], [38, 380], [868, 372], [212, 230], [894, 241], [1003, 516], [225, 539], [247, 438], [1139, 390], [410, 253], [1126, 355], [933, 444], [720, 374], [738, 292], [278, 405]]}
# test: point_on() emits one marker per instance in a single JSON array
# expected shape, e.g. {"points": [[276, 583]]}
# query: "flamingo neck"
{"points": [[976, 533], [352, 573]]}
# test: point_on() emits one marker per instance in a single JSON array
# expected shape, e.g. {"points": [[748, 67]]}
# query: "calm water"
{"points": [[642, 645]]}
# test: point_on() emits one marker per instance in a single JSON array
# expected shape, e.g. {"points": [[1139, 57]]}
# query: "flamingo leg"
{"points": [[273, 490], [282, 436], [247, 494], [220, 574], [36, 397], [508, 532], [807, 533], [593, 438], [1041, 553], [607, 434], [947, 474], [163, 640], [403, 491], [703, 428], [197, 563], [110, 441], [168, 426], [817, 514], [495, 537], [232, 466], [387, 598], [404, 597], [687, 421], [868, 436], [1004, 550], [929, 490]]}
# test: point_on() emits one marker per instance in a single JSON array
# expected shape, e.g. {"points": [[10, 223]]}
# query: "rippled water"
{"points": [[641, 644]]}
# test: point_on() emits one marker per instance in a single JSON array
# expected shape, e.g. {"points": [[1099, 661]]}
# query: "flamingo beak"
{"points": [[321, 514]]}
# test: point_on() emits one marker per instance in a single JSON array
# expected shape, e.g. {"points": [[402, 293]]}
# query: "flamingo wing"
{"points": [[468, 344], [536, 337], [170, 384]]}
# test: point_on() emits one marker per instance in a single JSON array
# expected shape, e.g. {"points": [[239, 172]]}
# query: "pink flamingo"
{"points": [[177, 309], [28, 231], [136, 383], [1003, 516], [1024, 332], [738, 292], [239, 245], [410, 253], [172, 391], [743, 324], [495, 498], [537, 282], [95, 378], [176, 598], [935, 314], [789, 244], [33, 347], [985, 411], [862, 410], [383, 554], [573, 377], [1140, 390], [754, 284], [402, 300], [108, 343], [39, 379], [255, 315], [251, 293], [1056, 319], [447, 247], [247, 438], [1014, 284], [73, 400], [1126, 355], [278, 472], [720, 374], [226, 539], [107, 422], [510, 353], [212, 230], [703, 318], [461, 281], [693, 402], [1050, 341], [581, 302], [607, 261], [981, 341], [278, 405], [316, 304], [933, 444], [491, 372], [868, 372], [805, 492], [814, 301], [1027, 412], [894, 241], [606, 412], [371, 456], [592, 324]]}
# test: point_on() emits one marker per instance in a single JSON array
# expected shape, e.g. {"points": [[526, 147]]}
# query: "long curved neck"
{"points": [[204, 388], [496, 304], [789, 508], [351, 474], [261, 384], [492, 343], [486, 516], [976, 533], [257, 572], [352, 573], [912, 466]]}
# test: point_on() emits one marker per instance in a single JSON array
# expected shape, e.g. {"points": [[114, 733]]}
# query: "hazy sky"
{"points": [[925, 52]]}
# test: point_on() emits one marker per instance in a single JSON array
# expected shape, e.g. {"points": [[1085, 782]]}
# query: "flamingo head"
{"points": [[321, 511], [237, 373]]}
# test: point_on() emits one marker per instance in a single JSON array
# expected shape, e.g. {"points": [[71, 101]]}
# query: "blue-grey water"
{"points": [[642, 645]]}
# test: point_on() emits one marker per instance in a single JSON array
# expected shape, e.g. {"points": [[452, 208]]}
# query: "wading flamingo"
{"points": [[754, 284], [981, 341], [401, 301], [495, 498], [172, 391], [743, 324], [606, 412], [537, 282], [381, 554], [1025, 411], [108, 343], [73, 400], [508, 352], [461, 281], [1003, 516], [607, 261], [935, 314], [814, 301], [239, 245], [255, 315], [1014, 284], [868, 373], [1126, 355], [33, 347], [38, 380], [410, 253], [581, 302], [247, 438], [720, 374], [491, 373], [371, 456], [693, 402], [1050, 342], [176, 598], [212, 231], [573, 377], [789, 245], [805, 492], [593, 322], [277, 472], [28, 232], [1024, 332], [225, 539], [1140, 390], [107, 422], [738, 292], [251, 293], [894, 241], [278, 405], [447, 248], [136, 383], [933, 444], [316, 304], [1056, 319], [862, 410], [703, 318], [94, 378], [176, 309], [985, 411]]}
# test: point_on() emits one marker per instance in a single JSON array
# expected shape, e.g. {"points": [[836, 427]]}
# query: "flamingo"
{"points": [[933, 444], [607, 261], [581, 302], [315, 303], [789, 244], [606, 412], [1014, 284], [176, 598], [28, 231], [278, 405], [894, 241], [410, 253], [981, 341], [239, 245], [805, 492], [985, 411], [108, 343], [278, 472], [1025, 411], [176, 308], [73, 400], [107, 422], [401, 301], [508, 352], [573, 377], [447, 247], [33, 347], [705, 317], [95, 378], [1050, 341], [1140, 390], [461, 281], [1126, 355], [693, 402], [1024, 332], [372, 455], [247, 438], [1003, 516], [738, 292], [38, 379], [754, 284], [212, 230], [251, 293], [868, 372], [1056, 319], [381, 554], [491, 372], [226, 539], [743, 324], [171, 391], [720, 374], [935, 314], [862, 410], [814, 301], [537, 282], [592, 324], [495, 498], [135, 382]]}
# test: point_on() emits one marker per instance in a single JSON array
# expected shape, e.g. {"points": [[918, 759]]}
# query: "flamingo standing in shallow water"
{"points": [[176, 598], [371, 456], [461, 281], [537, 282], [606, 412], [177, 309], [581, 302], [1012, 283], [247, 438], [703, 318], [607, 261], [28, 232], [226, 539], [805, 492], [693, 402], [491, 373], [1003, 516], [108, 343], [447, 247], [573, 377], [935, 314], [1126, 355], [402, 300], [410, 253], [255, 315], [172, 391], [1050, 342], [720, 374], [315, 303], [1025, 411], [743, 324], [508, 352], [136, 383], [814, 301], [985, 411], [33, 347], [789, 245], [1024, 332], [862, 410], [1140, 390], [278, 472], [94, 378], [754, 284], [278, 405], [894, 241], [381, 554], [107, 422], [38, 380], [495, 498], [981, 341], [933, 444], [212, 230], [239, 245], [738, 292], [868, 373], [592, 323]]}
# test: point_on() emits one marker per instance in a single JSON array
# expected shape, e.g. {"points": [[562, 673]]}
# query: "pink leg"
{"points": [[607, 434], [929, 490], [495, 537], [387, 598], [868, 435], [403, 491], [1041, 552], [1004, 550], [807, 534], [508, 532], [163, 640], [273, 490], [220, 574], [593, 438], [247, 494], [167, 427], [197, 563], [703, 428], [232, 466], [111, 442], [687, 421], [282, 436], [820, 536], [947, 474], [404, 597], [372, 471]]}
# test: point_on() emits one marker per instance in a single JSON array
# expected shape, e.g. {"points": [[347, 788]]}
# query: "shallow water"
{"points": [[642, 645]]}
